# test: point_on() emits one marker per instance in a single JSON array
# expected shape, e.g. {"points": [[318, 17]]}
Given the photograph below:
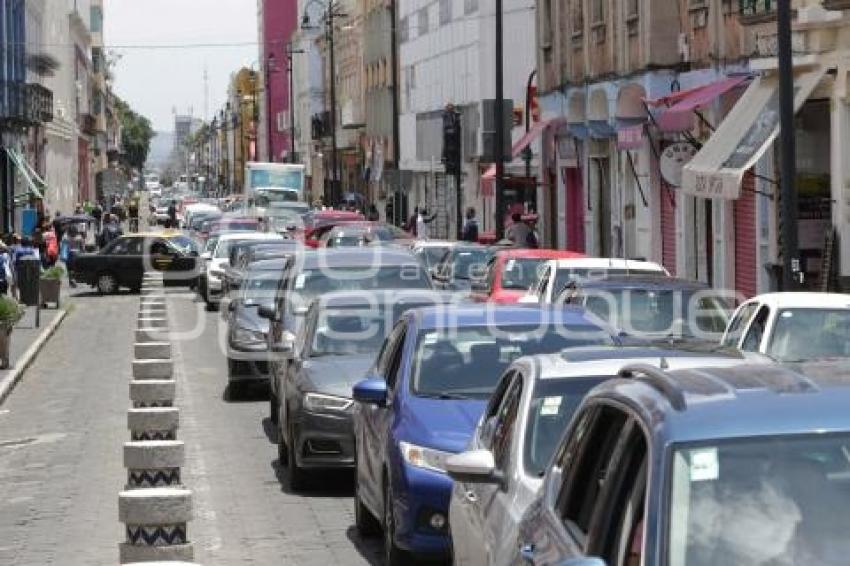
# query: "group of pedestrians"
{"points": [[41, 246]]}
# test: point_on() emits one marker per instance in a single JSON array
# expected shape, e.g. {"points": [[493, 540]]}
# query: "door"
{"points": [[746, 241], [575, 209], [668, 227]]}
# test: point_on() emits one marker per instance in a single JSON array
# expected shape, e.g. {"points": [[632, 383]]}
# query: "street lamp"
{"points": [[289, 53], [270, 67], [331, 11]]}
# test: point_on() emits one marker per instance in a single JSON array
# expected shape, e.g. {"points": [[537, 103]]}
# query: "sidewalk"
{"points": [[27, 341]]}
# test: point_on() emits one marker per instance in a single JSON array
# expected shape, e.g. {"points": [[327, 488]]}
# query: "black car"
{"points": [[340, 338], [653, 307], [123, 262], [247, 331], [460, 266], [313, 273]]}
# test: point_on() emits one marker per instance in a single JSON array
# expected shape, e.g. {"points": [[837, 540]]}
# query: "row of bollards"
{"points": [[155, 506]]}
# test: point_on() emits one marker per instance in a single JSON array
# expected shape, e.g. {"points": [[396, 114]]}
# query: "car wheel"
{"points": [[297, 476], [107, 284], [366, 523], [393, 555]]}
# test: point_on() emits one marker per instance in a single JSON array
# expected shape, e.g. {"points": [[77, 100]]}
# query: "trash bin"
{"points": [[27, 276]]}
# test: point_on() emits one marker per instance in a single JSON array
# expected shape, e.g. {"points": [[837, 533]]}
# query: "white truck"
{"points": [[269, 183]]}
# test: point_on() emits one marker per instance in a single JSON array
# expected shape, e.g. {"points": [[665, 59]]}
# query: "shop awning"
{"points": [[35, 183], [489, 176], [743, 136], [674, 112]]}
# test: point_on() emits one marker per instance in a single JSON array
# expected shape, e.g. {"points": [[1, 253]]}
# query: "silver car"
{"points": [[501, 473]]}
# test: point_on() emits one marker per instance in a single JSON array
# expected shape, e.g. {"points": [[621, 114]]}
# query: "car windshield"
{"points": [[430, 255], [520, 274], [661, 312], [467, 361], [469, 264], [780, 500], [311, 283], [183, 243], [341, 332], [552, 406], [566, 275], [806, 334]]}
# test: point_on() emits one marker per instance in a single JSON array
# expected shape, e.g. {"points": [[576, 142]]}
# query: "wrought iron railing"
{"points": [[25, 104], [756, 8]]}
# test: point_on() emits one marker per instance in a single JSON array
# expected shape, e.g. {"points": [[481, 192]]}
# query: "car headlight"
{"points": [[320, 403], [425, 458], [246, 336]]}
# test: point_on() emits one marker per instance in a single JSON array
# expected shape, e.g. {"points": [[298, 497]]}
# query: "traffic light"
{"points": [[451, 141]]}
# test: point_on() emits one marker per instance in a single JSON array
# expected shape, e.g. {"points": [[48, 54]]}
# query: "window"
{"points": [[423, 22], [470, 6], [96, 14], [589, 475], [546, 25], [597, 12], [404, 30], [578, 16], [505, 424], [120, 247], [739, 324], [445, 12], [806, 334], [159, 247], [756, 332], [395, 356]]}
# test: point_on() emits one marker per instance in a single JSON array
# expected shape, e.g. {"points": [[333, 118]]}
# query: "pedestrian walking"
{"points": [[423, 221], [470, 227], [172, 214], [97, 214], [410, 226], [111, 230], [518, 232]]}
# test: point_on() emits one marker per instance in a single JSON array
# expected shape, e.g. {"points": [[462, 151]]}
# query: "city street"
{"points": [[62, 431]]}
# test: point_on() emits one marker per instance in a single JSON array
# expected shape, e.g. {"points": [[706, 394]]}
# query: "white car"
{"points": [[193, 210], [501, 473], [430, 252], [556, 274], [217, 255], [791, 327]]}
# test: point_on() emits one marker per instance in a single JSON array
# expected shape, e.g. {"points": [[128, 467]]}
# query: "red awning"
{"points": [[489, 176], [676, 108]]}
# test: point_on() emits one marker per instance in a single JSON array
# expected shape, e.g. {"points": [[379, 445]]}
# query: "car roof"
{"points": [[705, 404], [610, 263], [804, 300], [422, 244], [229, 236], [530, 253], [642, 281], [352, 299], [506, 315], [357, 257]]}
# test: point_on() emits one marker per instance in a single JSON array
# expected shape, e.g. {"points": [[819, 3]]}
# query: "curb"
{"points": [[10, 381]]}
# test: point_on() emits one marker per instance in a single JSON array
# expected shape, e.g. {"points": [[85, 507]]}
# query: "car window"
{"points": [[754, 336], [505, 424], [739, 324], [539, 289], [590, 470], [120, 247], [160, 247], [808, 334], [620, 520], [394, 366]]}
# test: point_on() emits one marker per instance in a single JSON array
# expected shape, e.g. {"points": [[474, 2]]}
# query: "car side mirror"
{"points": [[473, 466], [269, 313], [371, 391]]}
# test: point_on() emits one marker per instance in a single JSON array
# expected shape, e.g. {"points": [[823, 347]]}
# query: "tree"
{"points": [[136, 136]]}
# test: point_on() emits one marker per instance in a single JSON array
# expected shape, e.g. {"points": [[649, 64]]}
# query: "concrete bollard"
{"points": [[153, 463], [150, 322], [152, 351], [151, 393], [148, 335], [157, 423], [153, 369], [155, 522], [153, 292], [153, 308]]}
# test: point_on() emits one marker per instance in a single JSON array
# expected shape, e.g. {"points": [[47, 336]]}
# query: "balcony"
{"points": [[88, 124], [24, 105]]}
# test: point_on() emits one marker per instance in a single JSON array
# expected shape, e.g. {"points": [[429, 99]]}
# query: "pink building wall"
{"points": [[280, 21]]}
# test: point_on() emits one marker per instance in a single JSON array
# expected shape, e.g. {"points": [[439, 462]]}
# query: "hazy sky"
{"points": [[155, 82]]}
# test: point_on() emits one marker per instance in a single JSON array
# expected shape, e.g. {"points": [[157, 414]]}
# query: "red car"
{"points": [[511, 272], [316, 224]]}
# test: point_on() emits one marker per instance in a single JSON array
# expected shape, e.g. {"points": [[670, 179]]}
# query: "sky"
{"points": [[157, 82]]}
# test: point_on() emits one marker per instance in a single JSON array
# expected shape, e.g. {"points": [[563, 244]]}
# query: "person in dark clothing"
{"points": [[172, 214], [470, 227], [411, 222], [373, 215], [111, 230], [57, 225], [97, 214]]}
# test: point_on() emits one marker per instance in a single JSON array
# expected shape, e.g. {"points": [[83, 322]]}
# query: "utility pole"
{"points": [[788, 172], [500, 124], [398, 213], [334, 164], [290, 68], [269, 143], [527, 153]]}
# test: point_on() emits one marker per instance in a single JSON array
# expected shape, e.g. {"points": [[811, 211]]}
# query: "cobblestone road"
{"points": [[61, 437]]}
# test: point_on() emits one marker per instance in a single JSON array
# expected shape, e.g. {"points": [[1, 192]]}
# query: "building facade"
{"points": [[277, 21]]}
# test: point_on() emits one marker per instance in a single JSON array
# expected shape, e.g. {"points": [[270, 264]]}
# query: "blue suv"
{"points": [[422, 400], [736, 466]]}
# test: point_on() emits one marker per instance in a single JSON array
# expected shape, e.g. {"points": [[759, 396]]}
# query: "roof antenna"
{"points": [[663, 364]]}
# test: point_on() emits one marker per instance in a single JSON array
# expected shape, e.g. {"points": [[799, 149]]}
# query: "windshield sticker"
{"points": [[300, 280], [551, 406], [788, 314], [704, 465]]}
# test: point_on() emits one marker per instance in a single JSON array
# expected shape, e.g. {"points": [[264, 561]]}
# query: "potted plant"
{"points": [[11, 312], [50, 284]]}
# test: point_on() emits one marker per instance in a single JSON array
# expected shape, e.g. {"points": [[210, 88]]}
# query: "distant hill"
{"points": [[161, 146]]}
